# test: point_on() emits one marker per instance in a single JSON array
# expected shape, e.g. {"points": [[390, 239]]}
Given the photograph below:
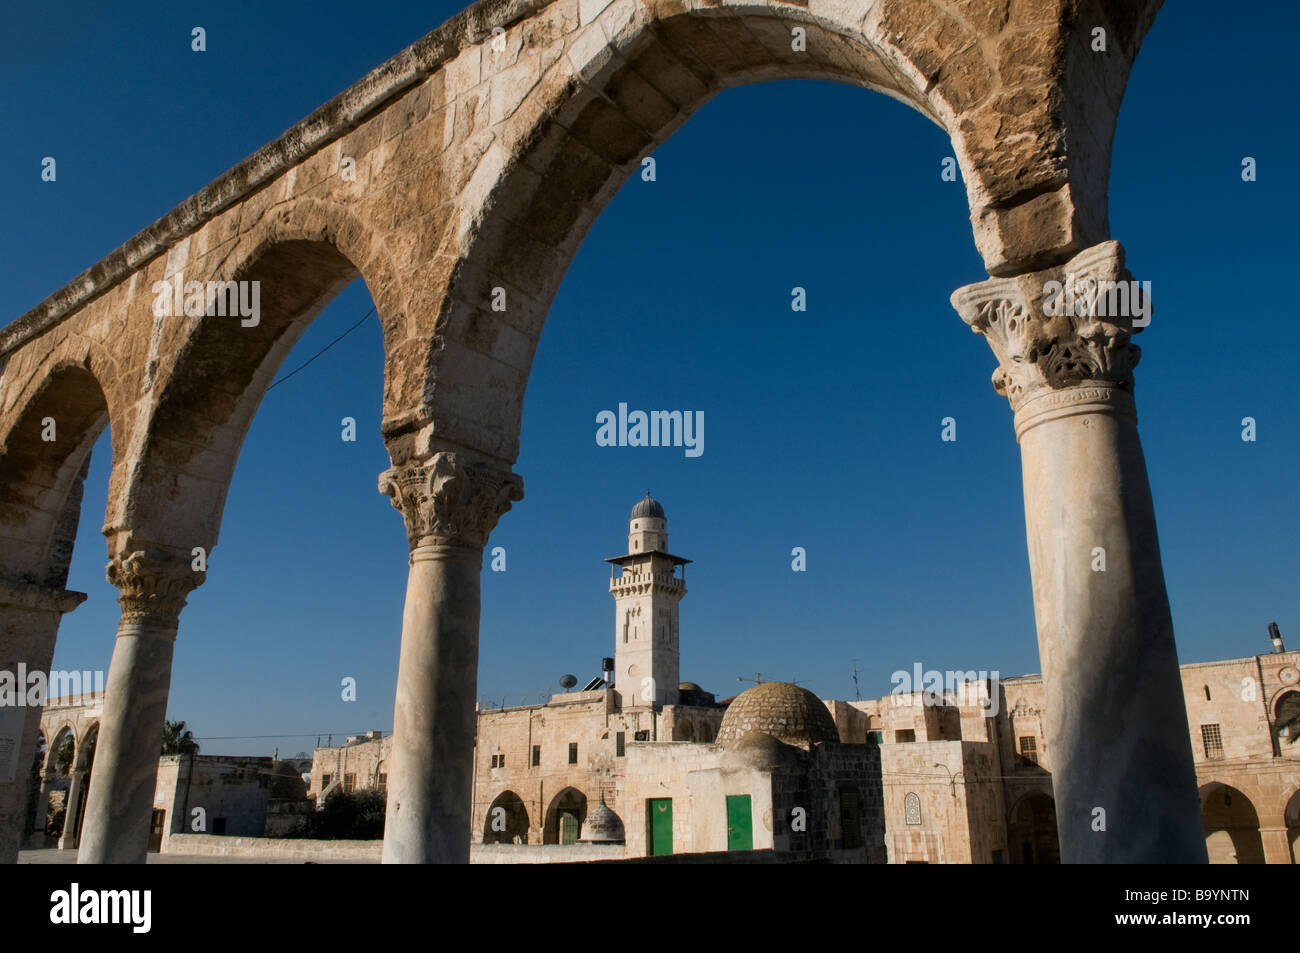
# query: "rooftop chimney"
{"points": [[1276, 635]]}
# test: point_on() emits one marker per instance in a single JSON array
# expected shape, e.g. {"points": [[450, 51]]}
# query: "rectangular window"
{"points": [[875, 737], [907, 734], [349, 782], [573, 752], [620, 743], [537, 755], [850, 819], [1213, 738], [1029, 748], [325, 780], [381, 784]]}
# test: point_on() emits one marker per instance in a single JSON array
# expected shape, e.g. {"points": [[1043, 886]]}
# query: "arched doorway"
{"points": [[564, 817], [1032, 835], [1231, 826], [506, 821], [79, 788]]}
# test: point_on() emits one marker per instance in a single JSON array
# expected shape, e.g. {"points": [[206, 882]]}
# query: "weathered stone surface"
{"points": [[418, 177]]}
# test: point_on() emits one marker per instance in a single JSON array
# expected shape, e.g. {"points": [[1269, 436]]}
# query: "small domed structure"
{"points": [[689, 687], [757, 751], [286, 784], [602, 826], [787, 712], [648, 507]]}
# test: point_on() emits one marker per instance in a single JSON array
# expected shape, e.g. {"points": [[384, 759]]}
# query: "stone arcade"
{"points": [[473, 167]]}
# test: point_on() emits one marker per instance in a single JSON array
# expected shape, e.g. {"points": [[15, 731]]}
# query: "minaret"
{"points": [[647, 661]]}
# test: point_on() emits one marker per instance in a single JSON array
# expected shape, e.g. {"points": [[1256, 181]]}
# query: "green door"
{"points": [[740, 823], [568, 827], [660, 811]]}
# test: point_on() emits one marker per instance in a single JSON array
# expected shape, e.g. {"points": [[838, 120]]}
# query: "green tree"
{"points": [[358, 815], [177, 739]]}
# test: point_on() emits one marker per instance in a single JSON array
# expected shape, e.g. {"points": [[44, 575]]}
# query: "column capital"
{"points": [[1062, 335], [449, 498], [154, 586]]}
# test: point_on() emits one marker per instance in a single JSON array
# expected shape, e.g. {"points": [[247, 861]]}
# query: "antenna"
{"points": [[857, 695], [568, 681]]}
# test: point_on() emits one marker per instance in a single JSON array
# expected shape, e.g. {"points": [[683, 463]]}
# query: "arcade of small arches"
{"points": [[479, 166], [61, 770]]}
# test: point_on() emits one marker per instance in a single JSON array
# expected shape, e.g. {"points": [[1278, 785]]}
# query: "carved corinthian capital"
{"points": [[154, 587], [1061, 335], [449, 499]]}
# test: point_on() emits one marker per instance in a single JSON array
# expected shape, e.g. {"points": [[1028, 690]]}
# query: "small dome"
{"points": [[787, 712], [286, 783], [648, 507], [689, 687], [602, 826], [757, 751]]}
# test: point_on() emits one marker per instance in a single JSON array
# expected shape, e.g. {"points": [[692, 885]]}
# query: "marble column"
{"points": [[68, 839], [450, 505], [1116, 741], [154, 587], [29, 623]]}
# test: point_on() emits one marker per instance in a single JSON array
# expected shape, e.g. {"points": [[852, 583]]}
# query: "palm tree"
{"points": [[178, 740]]}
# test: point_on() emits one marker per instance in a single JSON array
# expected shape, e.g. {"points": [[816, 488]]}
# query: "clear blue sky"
{"points": [[822, 428]]}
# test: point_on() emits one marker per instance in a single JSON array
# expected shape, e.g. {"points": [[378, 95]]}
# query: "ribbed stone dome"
{"points": [[787, 712], [602, 826], [648, 507]]}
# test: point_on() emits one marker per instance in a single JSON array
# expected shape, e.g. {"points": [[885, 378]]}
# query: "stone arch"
{"points": [[215, 379], [568, 807], [58, 739], [40, 491], [566, 128], [515, 817], [1231, 825], [86, 747], [1286, 721], [683, 730], [1031, 835]]}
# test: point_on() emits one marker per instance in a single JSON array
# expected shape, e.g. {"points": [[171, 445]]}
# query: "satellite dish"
{"points": [[568, 681]]}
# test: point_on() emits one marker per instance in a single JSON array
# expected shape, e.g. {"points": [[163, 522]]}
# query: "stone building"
{"points": [[476, 160], [965, 773], [210, 794]]}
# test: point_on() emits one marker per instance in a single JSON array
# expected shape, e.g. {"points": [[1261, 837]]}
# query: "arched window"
{"points": [[1287, 717], [912, 808]]}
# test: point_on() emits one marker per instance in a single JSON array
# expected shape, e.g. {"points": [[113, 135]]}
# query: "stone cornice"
{"points": [[359, 102], [154, 587], [1058, 352], [41, 598], [450, 499]]}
